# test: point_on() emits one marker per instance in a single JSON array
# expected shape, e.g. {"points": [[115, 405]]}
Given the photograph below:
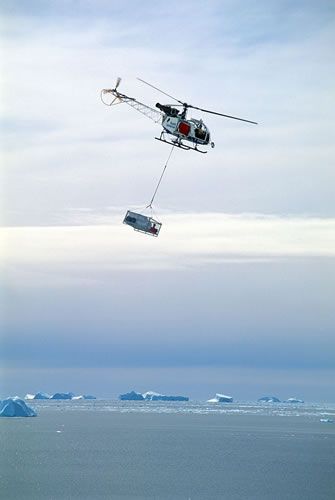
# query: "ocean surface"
{"points": [[167, 450]]}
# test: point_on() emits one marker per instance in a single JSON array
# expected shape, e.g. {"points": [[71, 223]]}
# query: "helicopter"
{"points": [[173, 120]]}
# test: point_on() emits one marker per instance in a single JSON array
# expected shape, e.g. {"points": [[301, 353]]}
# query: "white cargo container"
{"points": [[142, 223]]}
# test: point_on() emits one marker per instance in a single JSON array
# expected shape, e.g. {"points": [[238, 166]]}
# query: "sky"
{"points": [[236, 295]]}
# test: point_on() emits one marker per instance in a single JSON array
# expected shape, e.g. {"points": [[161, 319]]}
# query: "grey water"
{"points": [[129, 450]]}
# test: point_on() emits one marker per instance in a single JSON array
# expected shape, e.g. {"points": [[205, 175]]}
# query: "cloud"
{"points": [[186, 240]]}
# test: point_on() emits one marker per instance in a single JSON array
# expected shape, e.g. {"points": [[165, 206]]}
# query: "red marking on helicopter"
{"points": [[184, 128]]}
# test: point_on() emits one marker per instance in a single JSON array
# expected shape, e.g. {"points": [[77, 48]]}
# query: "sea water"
{"points": [[189, 450]]}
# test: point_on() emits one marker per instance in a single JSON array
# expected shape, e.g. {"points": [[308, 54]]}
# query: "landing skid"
{"points": [[181, 145]]}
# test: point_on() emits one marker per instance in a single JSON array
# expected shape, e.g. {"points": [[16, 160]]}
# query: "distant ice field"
{"points": [[314, 411]]}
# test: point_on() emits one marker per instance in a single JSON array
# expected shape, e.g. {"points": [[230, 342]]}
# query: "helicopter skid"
{"points": [[180, 145]]}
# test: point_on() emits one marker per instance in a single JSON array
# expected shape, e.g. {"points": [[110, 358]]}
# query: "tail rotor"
{"points": [[113, 92]]}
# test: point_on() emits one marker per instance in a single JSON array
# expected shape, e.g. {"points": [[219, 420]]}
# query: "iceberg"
{"points": [[131, 396], [150, 396], [327, 420], [58, 395], [294, 400], [155, 396], [15, 407], [62, 395], [221, 398], [269, 399], [42, 395]]}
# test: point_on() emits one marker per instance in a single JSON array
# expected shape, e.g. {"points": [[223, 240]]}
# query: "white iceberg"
{"points": [[327, 420], [220, 398], [269, 399], [84, 396], [15, 407], [294, 400], [150, 394]]}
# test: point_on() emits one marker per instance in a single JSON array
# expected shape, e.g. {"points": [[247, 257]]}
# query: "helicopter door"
{"points": [[184, 128]]}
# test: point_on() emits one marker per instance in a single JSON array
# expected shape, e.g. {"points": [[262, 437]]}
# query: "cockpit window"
{"points": [[200, 133]]}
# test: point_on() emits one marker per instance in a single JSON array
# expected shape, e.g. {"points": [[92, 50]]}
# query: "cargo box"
{"points": [[142, 223]]}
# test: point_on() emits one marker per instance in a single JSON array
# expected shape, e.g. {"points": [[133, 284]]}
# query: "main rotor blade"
{"points": [[159, 90], [195, 107], [221, 114], [175, 105]]}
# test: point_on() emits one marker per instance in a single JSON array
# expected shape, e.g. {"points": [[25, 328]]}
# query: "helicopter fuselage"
{"points": [[174, 122], [191, 129]]}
